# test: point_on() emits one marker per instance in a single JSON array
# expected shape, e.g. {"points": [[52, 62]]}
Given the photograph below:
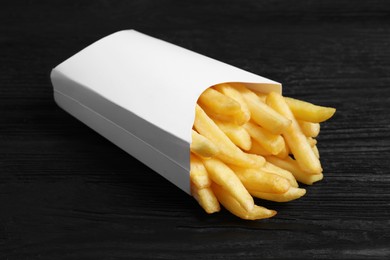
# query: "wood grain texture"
{"points": [[67, 193]]}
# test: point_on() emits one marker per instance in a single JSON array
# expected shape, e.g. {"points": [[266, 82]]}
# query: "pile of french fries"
{"points": [[247, 144]]}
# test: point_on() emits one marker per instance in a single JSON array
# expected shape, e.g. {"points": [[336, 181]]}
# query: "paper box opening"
{"points": [[140, 93]]}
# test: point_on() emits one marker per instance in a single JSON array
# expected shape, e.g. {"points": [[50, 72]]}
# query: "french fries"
{"points": [[233, 93], [202, 146], [206, 198], [309, 129], [262, 181], [292, 166], [222, 175], [223, 105], [269, 167], [291, 194], [262, 114], [294, 137], [270, 142], [236, 133], [248, 144], [233, 206], [308, 112], [229, 152], [258, 149], [198, 173]]}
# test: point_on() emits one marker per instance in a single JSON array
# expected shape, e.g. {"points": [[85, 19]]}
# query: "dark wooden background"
{"points": [[67, 193]]}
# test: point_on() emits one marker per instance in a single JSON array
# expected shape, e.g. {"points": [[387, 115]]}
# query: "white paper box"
{"points": [[140, 93]]}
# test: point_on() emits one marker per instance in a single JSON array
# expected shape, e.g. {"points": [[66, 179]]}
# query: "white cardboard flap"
{"points": [[148, 89]]}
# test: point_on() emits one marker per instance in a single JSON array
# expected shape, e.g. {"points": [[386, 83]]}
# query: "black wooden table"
{"points": [[67, 193]]}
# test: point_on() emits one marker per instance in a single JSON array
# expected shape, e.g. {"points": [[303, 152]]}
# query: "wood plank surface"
{"points": [[67, 193]]}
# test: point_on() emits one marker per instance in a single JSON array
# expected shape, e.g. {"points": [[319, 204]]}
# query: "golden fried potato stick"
{"points": [[296, 140], [236, 133], [270, 142], [198, 173], [220, 104], [229, 152], [262, 114], [269, 167], [231, 204], [308, 112], [262, 181], [231, 92], [291, 194], [206, 198], [292, 166], [224, 118], [309, 129], [202, 146], [222, 175]]}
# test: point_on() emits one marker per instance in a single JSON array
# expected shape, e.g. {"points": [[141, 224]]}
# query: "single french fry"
{"points": [[292, 166], [270, 142], [262, 114], [218, 103], [316, 152], [231, 92], [224, 118], [202, 146], [262, 181], [269, 167], [231, 204], [206, 198], [291, 194], [256, 148], [222, 175], [294, 137], [198, 173], [237, 134], [229, 152], [308, 112], [309, 129]]}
